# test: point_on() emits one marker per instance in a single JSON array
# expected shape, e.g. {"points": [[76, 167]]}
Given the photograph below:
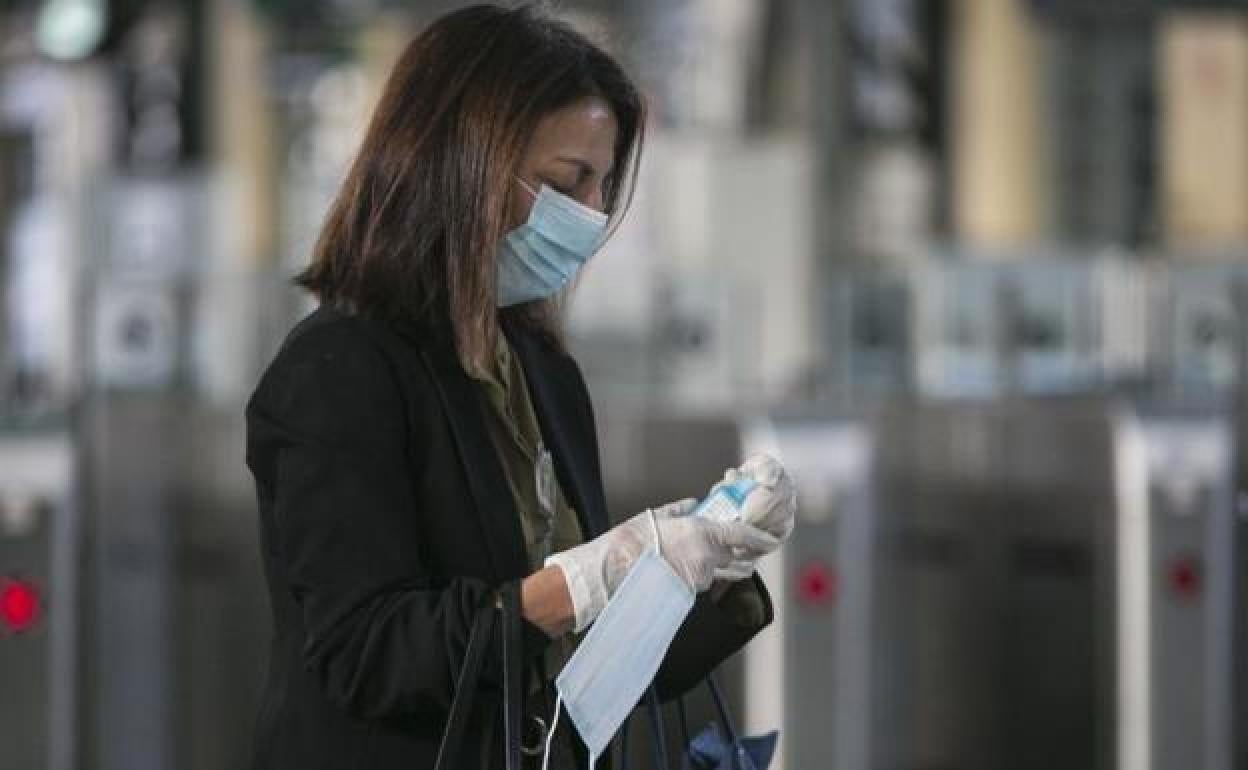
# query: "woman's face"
{"points": [[571, 150]]}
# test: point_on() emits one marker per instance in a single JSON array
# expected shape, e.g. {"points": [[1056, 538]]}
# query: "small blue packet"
{"points": [[725, 500]]}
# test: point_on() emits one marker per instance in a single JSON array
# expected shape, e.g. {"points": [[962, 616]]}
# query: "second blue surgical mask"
{"points": [[538, 258], [620, 655]]}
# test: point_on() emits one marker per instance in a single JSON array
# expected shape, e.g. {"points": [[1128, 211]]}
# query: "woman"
{"points": [[423, 439]]}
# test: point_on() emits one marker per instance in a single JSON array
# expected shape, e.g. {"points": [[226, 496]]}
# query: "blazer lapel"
{"points": [[465, 411], [567, 429]]}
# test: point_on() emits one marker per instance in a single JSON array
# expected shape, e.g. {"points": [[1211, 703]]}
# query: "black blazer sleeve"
{"points": [[709, 636], [383, 636]]}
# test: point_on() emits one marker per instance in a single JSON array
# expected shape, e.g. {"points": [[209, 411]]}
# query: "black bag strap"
{"points": [[725, 718], [658, 740], [513, 675], [655, 711], [725, 721], [507, 612], [683, 714], [465, 690]]}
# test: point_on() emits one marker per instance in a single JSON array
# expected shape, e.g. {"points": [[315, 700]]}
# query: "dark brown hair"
{"points": [[412, 233]]}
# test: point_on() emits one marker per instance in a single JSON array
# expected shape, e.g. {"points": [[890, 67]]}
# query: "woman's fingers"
{"points": [[745, 537], [736, 570]]}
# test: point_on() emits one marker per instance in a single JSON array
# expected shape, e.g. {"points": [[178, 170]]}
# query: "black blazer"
{"points": [[386, 519]]}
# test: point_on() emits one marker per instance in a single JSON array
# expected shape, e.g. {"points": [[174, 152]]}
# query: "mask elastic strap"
{"points": [[550, 736], [525, 185], [654, 526]]}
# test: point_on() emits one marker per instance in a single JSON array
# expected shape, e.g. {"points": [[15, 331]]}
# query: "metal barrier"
{"points": [[1027, 584], [39, 610]]}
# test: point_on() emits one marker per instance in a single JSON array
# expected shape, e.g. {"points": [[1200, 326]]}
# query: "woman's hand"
{"points": [[697, 549], [547, 603], [771, 506]]}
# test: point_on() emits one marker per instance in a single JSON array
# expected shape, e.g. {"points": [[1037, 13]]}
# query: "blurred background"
{"points": [[976, 269]]}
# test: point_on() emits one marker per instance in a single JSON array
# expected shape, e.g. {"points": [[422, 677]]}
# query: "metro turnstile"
{"points": [[1002, 585], [39, 574]]}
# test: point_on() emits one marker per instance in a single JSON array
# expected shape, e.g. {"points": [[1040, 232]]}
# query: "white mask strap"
{"points": [[525, 185], [550, 736], [654, 527]]}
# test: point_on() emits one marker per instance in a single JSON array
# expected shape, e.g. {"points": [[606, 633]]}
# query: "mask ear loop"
{"points": [[654, 527], [550, 736], [525, 185]]}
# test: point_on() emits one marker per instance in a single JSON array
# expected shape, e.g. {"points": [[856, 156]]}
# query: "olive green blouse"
{"points": [[547, 520], [549, 523]]}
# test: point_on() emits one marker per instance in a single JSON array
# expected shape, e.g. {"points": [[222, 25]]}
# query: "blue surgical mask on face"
{"points": [[620, 655], [538, 258]]}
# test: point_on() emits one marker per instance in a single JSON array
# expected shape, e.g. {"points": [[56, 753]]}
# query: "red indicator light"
{"points": [[1184, 577], [19, 604], [816, 584]]}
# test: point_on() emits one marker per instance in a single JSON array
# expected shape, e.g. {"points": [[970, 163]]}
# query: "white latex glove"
{"points": [[772, 506], [696, 548]]}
